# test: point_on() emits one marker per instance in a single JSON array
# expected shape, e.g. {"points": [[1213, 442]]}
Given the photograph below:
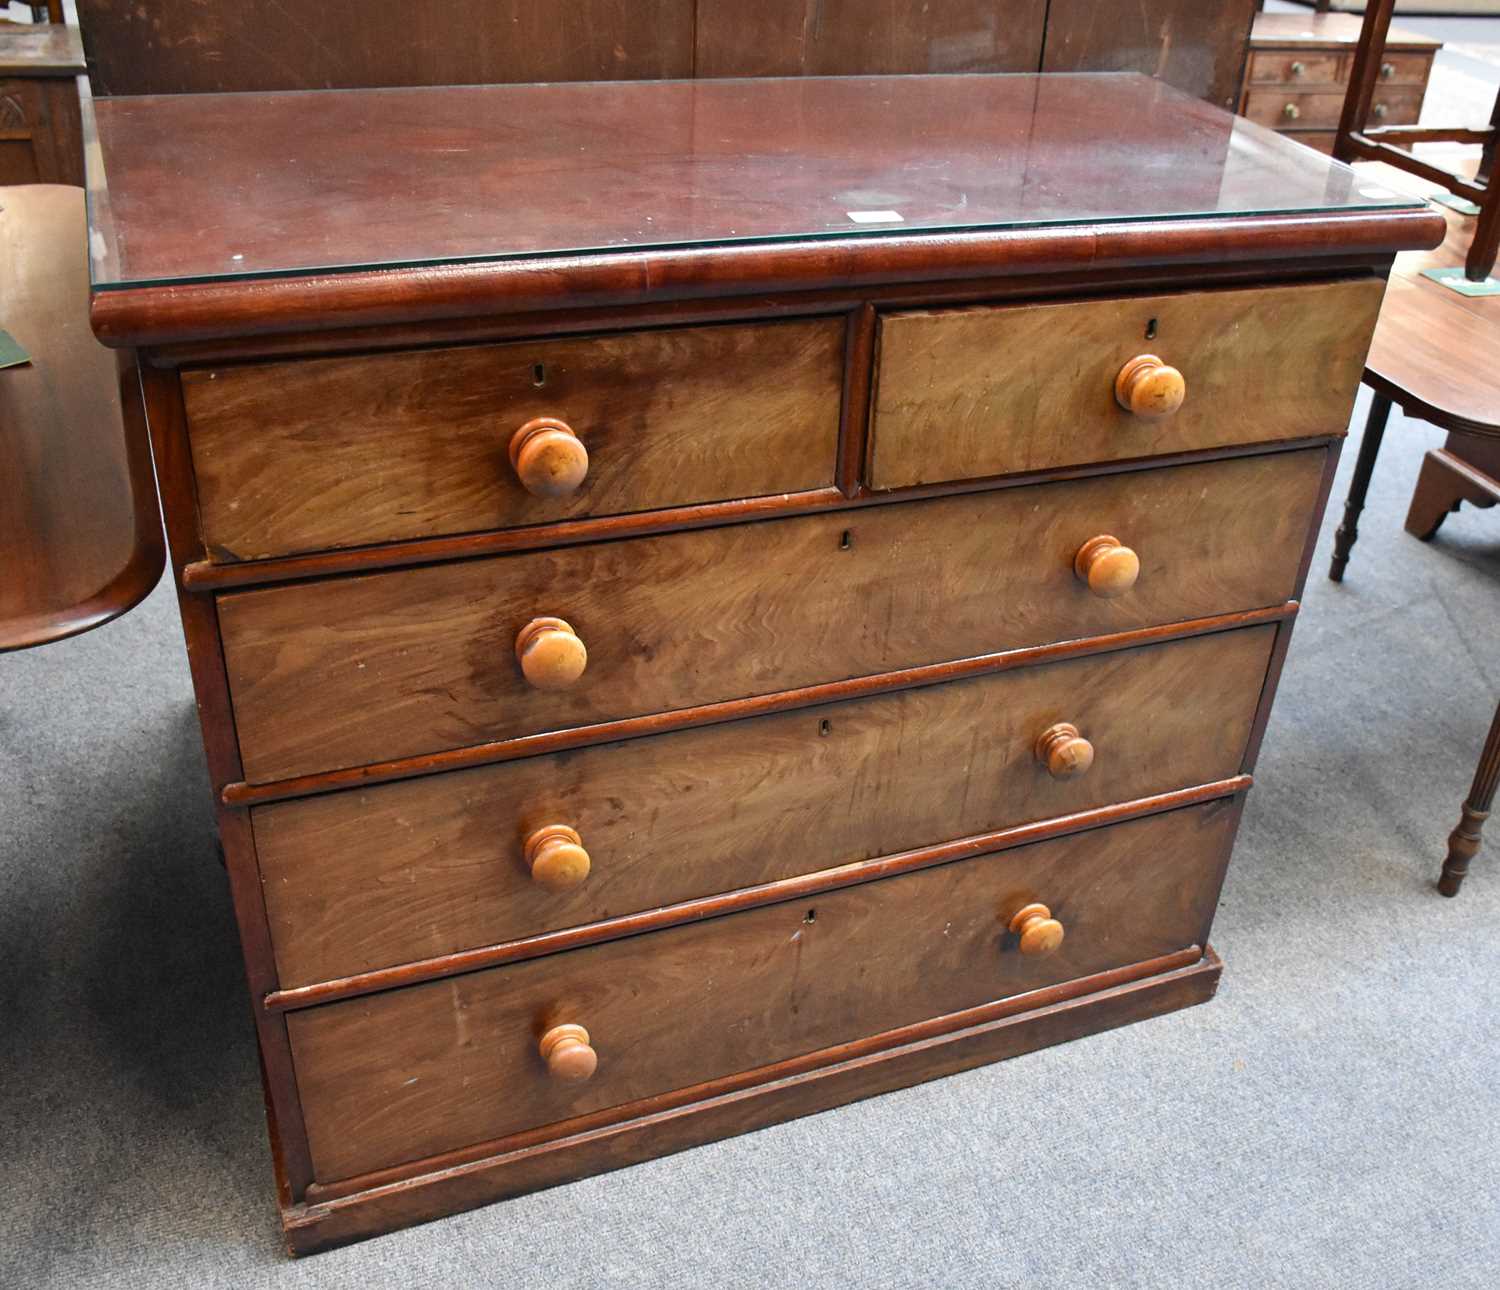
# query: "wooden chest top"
{"points": [[402, 205]]}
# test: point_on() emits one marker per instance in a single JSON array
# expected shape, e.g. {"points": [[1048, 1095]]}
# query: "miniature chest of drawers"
{"points": [[713, 600], [1299, 67]]}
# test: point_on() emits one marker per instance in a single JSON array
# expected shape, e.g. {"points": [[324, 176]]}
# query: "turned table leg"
{"points": [[1463, 842], [1364, 467]]}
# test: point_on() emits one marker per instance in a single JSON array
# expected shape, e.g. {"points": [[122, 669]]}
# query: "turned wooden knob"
{"points": [[1063, 751], [566, 1051], [551, 655], [548, 457], [556, 857], [1149, 388], [1040, 933], [1109, 568]]}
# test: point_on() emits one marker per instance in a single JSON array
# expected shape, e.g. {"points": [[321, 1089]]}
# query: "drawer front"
{"points": [[1294, 67], [1281, 109], [1404, 69], [326, 453], [358, 670], [966, 393], [1319, 140], [403, 1075], [387, 875]]}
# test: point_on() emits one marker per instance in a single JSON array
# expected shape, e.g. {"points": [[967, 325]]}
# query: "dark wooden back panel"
{"points": [[849, 37], [199, 46], [202, 46], [1197, 45]]}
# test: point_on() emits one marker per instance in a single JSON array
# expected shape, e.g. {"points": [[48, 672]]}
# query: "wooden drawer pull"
{"points": [[556, 858], [548, 457], [1150, 389], [1109, 568], [1040, 933], [1063, 751], [551, 655], [566, 1051]]}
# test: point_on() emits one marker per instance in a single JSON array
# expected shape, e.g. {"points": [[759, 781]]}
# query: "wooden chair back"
{"points": [[1357, 140]]}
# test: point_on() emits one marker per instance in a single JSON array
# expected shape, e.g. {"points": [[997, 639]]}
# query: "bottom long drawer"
{"points": [[407, 1074]]}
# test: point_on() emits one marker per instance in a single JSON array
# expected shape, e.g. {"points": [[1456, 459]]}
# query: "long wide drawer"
{"points": [[358, 670], [999, 390], [325, 453], [380, 876], [1311, 109], [407, 1074]]}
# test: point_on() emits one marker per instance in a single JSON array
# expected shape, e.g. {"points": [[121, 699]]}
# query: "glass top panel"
{"points": [[207, 187]]}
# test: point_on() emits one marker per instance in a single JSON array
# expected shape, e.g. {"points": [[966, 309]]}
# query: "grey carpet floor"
{"points": [[1329, 1120]]}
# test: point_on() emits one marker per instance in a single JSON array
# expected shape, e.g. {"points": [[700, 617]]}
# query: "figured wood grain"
{"points": [[925, 1034], [361, 880], [244, 794], [327, 453], [359, 670], [335, 1216], [455, 1062], [965, 393], [772, 893]]}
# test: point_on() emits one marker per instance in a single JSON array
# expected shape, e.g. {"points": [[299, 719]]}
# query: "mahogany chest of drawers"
{"points": [[712, 600], [1299, 67]]}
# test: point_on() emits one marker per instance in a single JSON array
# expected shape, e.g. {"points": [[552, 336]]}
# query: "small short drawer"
{"points": [[404, 1075], [318, 454], [1290, 67], [371, 878], [966, 393], [1404, 69], [349, 671], [1285, 110]]}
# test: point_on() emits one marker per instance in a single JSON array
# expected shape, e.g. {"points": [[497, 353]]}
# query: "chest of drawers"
{"points": [[1299, 68], [675, 656]]}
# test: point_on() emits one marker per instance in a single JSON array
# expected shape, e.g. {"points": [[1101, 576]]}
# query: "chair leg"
{"points": [[1464, 841], [1364, 467]]}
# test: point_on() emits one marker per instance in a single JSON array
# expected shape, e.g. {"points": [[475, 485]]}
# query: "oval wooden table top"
{"points": [[1435, 351], [80, 532]]}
